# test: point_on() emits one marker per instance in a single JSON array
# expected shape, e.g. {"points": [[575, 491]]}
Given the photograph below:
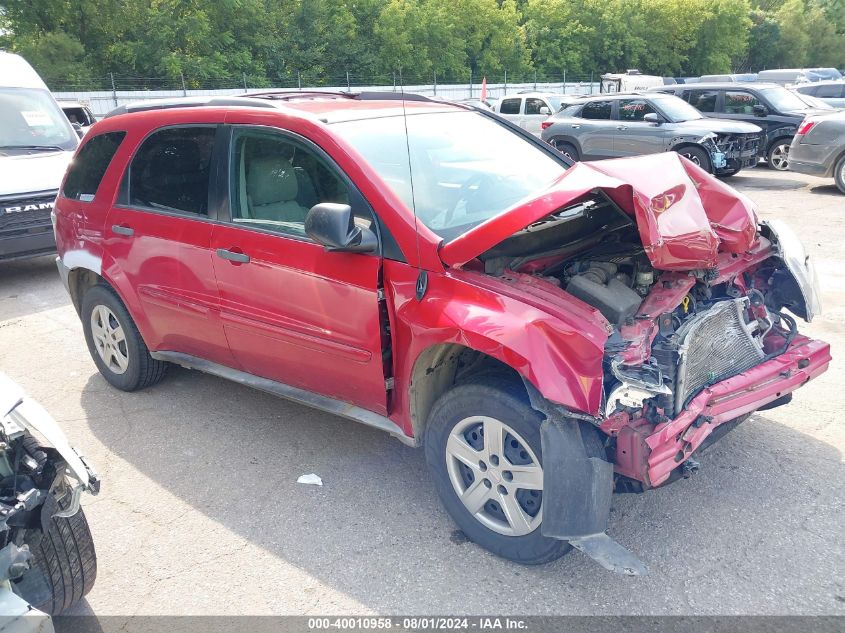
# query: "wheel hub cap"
{"points": [[109, 339], [780, 156], [496, 475]]}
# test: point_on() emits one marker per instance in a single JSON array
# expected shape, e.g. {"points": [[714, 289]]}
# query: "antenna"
{"points": [[422, 279]]}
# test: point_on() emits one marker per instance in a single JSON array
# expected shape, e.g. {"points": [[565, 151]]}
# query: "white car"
{"points": [[79, 115], [529, 110]]}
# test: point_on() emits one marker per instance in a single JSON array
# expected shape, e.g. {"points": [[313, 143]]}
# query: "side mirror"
{"points": [[760, 110], [77, 127], [653, 117], [545, 110], [333, 226]]}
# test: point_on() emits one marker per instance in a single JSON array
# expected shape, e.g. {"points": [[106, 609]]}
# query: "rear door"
{"points": [[634, 136], [158, 239], [292, 311], [595, 130]]}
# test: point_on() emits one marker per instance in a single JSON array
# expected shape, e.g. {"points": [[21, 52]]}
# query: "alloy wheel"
{"points": [[109, 339], [496, 475], [779, 158]]}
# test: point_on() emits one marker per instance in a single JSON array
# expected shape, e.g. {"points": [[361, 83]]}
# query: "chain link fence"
{"points": [[105, 93]]}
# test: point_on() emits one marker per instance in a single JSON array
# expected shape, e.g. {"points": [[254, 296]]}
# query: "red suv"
{"points": [[550, 333]]}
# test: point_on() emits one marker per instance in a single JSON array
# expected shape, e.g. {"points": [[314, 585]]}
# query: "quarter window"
{"points": [[276, 180], [701, 100], [634, 109], [740, 102], [597, 110], [90, 165], [510, 106], [830, 91]]}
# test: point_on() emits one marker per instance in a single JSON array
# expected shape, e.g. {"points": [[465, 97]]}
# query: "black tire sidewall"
{"points": [[703, 158], [838, 176], [477, 399], [563, 147], [132, 378]]}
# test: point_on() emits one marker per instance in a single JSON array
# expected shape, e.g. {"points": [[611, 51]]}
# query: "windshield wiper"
{"points": [[41, 148]]}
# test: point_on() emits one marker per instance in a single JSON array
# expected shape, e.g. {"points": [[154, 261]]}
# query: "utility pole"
{"points": [[113, 89], [184, 90], [564, 81], [470, 84], [435, 84], [348, 85], [506, 84], [298, 80], [245, 88], [535, 80]]}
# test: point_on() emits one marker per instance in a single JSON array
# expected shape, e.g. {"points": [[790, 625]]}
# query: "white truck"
{"points": [[630, 81], [36, 145]]}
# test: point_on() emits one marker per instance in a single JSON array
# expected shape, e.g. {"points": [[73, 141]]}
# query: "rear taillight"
{"points": [[546, 124], [806, 126]]}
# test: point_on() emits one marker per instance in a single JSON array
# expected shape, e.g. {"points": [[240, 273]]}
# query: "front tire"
{"points": [[698, 156], [778, 155], [482, 445], [115, 344], [567, 149], [63, 565]]}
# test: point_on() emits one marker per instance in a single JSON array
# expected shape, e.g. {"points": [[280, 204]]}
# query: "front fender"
{"points": [[554, 342]]}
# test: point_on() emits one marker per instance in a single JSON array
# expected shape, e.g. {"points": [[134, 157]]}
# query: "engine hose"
{"points": [[793, 332]]}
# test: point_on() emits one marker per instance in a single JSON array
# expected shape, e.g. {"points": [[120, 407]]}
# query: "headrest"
{"points": [[271, 179]]}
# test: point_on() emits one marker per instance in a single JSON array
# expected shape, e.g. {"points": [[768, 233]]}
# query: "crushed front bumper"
{"points": [[671, 443]]}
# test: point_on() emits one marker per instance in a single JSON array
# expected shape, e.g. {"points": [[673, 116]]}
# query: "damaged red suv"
{"points": [[549, 333]]}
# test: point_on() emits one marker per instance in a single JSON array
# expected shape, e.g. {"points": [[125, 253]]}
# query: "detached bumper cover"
{"points": [[673, 442]]}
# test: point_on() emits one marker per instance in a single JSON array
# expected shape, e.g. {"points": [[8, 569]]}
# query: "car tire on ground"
{"points": [[63, 567], [697, 155], [567, 149], [839, 173], [778, 155], [481, 439], [115, 343]]}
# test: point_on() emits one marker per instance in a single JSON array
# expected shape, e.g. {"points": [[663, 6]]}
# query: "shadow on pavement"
{"points": [[19, 281], [764, 499]]}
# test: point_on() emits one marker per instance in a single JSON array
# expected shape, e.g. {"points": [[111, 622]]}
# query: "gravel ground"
{"points": [[200, 512]]}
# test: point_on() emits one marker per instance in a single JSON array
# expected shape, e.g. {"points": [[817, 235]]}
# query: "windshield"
{"points": [[32, 119], [783, 100], [677, 109], [466, 167]]}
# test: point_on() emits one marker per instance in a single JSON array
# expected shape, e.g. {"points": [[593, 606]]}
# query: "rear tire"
{"points": [[63, 565], [115, 344], [506, 519], [567, 149], [839, 174]]}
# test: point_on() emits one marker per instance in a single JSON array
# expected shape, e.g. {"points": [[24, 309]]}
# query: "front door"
{"points": [[636, 137], [158, 237], [292, 311]]}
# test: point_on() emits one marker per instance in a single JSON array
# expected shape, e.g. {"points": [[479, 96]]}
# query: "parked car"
{"points": [[818, 148], [36, 144], [792, 76], [614, 126], [547, 331], [528, 110], [816, 104], [831, 92], [48, 559], [774, 108], [79, 115], [481, 104], [732, 78]]}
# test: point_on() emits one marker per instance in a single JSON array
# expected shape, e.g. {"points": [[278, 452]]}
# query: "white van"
{"points": [[36, 145], [792, 76], [630, 81]]}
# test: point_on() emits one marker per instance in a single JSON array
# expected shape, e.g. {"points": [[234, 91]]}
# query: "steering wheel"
{"points": [[466, 194]]}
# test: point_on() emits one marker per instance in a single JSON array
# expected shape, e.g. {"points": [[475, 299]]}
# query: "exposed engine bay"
{"points": [[671, 334]]}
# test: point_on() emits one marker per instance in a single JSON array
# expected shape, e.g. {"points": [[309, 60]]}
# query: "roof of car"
{"points": [[718, 85], [625, 95], [330, 107]]}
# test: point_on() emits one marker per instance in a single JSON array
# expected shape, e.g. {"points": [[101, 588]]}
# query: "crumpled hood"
{"points": [[685, 216], [28, 173]]}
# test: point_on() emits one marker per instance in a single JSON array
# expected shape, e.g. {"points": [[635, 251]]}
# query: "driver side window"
{"points": [[276, 180]]}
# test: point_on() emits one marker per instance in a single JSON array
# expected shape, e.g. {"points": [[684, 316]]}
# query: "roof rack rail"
{"points": [[367, 95], [187, 102]]}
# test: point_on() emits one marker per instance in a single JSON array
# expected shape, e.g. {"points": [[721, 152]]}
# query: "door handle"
{"points": [[621, 127], [575, 126], [232, 256], [128, 231]]}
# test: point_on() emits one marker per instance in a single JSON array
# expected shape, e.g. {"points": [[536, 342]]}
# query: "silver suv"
{"points": [[615, 126]]}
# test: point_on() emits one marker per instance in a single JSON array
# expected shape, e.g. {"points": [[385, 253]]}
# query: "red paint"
{"points": [[309, 318]]}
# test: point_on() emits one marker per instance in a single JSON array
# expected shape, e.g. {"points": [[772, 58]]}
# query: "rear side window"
{"points": [[170, 172], [510, 106], [597, 110], [90, 165], [740, 102], [701, 100], [830, 91]]}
